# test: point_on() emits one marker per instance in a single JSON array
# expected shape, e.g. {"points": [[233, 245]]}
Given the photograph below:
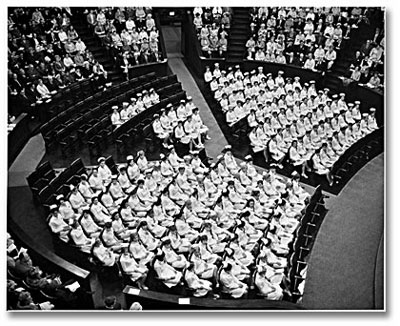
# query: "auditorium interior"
{"points": [[196, 159]]}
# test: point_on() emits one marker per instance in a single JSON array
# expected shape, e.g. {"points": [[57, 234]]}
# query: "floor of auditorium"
{"points": [[346, 264]]}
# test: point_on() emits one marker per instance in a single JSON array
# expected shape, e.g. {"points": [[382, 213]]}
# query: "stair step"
{"points": [[240, 33], [236, 55], [238, 42], [232, 47], [243, 20]]}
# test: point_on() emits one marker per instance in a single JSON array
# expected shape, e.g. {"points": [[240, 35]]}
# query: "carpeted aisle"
{"points": [[343, 263], [26, 162]]}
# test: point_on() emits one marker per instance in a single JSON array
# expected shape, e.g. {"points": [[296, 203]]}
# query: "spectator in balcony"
{"points": [[338, 34], [310, 62], [251, 44], [101, 18], [366, 48], [42, 89], [198, 22], [376, 53], [356, 73], [91, 18], [140, 15], [68, 62], [330, 57], [374, 81], [280, 58], [260, 55], [150, 23], [62, 35], [225, 20]]}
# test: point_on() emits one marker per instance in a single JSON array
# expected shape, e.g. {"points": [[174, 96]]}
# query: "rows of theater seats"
{"points": [[299, 250], [88, 122], [357, 155]]}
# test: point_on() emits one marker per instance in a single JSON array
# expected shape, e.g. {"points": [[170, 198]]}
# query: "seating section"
{"points": [[130, 34], [76, 120], [46, 56], [306, 37], [212, 27], [221, 216], [367, 65], [290, 121]]}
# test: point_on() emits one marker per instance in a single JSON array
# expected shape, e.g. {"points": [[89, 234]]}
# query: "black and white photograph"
{"points": [[196, 158]]}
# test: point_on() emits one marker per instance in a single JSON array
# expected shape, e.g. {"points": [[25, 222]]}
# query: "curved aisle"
{"points": [[343, 263]]}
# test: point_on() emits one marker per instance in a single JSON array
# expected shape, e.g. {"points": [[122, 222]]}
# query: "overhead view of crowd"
{"points": [[225, 224], [300, 36], [46, 54], [212, 26], [129, 33], [290, 119]]}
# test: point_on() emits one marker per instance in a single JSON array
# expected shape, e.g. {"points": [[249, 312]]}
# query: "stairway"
{"points": [[99, 52], [239, 34]]}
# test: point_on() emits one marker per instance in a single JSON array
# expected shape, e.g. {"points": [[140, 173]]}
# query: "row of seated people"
{"points": [[138, 104], [182, 125], [286, 117], [25, 279], [184, 221], [367, 66], [212, 27], [129, 33], [306, 37], [46, 55]]}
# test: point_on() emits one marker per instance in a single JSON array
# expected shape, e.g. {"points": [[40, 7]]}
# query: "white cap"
{"points": [[357, 102], [372, 110], [248, 157], [59, 197], [125, 103], [129, 157], [228, 147], [53, 207], [100, 159], [115, 107]]}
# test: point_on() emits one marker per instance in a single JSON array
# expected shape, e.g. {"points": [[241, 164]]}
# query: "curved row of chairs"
{"points": [[299, 253], [89, 121]]}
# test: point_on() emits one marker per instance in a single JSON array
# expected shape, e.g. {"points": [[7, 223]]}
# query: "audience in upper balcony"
{"points": [[45, 54], [367, 65], [129, 33], [304, 36], [212, 25]]}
